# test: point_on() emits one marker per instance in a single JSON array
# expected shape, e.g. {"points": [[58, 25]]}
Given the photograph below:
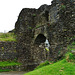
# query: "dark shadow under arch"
{"points": [[40, 39]]}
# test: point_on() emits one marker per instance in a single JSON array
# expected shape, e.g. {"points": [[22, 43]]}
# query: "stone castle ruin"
{"points": [[44, 33]]}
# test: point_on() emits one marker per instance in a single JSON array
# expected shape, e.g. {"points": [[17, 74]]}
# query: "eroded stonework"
{"points": [[8, 51], [55, 23]]}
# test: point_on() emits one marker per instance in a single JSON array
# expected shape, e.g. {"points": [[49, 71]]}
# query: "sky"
{"points": [[10, 9]]}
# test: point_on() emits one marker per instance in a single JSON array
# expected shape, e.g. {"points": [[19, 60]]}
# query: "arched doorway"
{"points": [[41, 48]]}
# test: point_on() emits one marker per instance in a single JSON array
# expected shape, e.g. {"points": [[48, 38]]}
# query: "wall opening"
{"points": [[40, 39], [47, 15]]}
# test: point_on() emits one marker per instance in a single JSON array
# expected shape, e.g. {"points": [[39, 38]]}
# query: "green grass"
{"points": [[71, 46], [70, 57], [7, 37], [43, 64], [59, 68], [6, 64], [6, 70]]}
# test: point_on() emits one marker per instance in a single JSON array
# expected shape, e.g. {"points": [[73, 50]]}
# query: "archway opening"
{"points": [[40, 39]]}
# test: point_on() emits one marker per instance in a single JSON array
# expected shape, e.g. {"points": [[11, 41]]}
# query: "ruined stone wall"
{"points": [[28, 21], [62, 26], [8, 51], [55, 22]]}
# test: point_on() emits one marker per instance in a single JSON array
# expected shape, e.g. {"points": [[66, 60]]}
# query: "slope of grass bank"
{"points": [[59, 68], [7, 37]]}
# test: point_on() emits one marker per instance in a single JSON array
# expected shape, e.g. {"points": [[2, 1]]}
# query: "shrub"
{"points": [[70, 57]]}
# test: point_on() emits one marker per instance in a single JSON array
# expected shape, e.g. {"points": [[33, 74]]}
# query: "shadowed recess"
{"points": [[40, 39]]}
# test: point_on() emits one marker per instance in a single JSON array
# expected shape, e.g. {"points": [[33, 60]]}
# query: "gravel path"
{"points": [[12, 73]]}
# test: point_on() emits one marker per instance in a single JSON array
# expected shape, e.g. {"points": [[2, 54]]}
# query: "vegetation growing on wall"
{"points": [[62, 7], [71, 46]]}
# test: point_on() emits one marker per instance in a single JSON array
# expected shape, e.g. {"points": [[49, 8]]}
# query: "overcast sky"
{"points": [[10, 9]]}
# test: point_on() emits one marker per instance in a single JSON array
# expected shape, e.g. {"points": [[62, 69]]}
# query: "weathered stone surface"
{"points": [[8, 51], [55, 22]]}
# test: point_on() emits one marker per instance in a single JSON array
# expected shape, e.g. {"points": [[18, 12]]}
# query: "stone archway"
{"points": [[40, 39], [40, 46]]}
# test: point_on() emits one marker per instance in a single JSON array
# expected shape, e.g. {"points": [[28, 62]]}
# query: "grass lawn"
{"points": [[7, 37], [59, 68]]}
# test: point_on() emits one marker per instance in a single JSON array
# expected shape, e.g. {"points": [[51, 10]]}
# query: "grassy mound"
{"points": [[59, 68], [7, 37]]}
